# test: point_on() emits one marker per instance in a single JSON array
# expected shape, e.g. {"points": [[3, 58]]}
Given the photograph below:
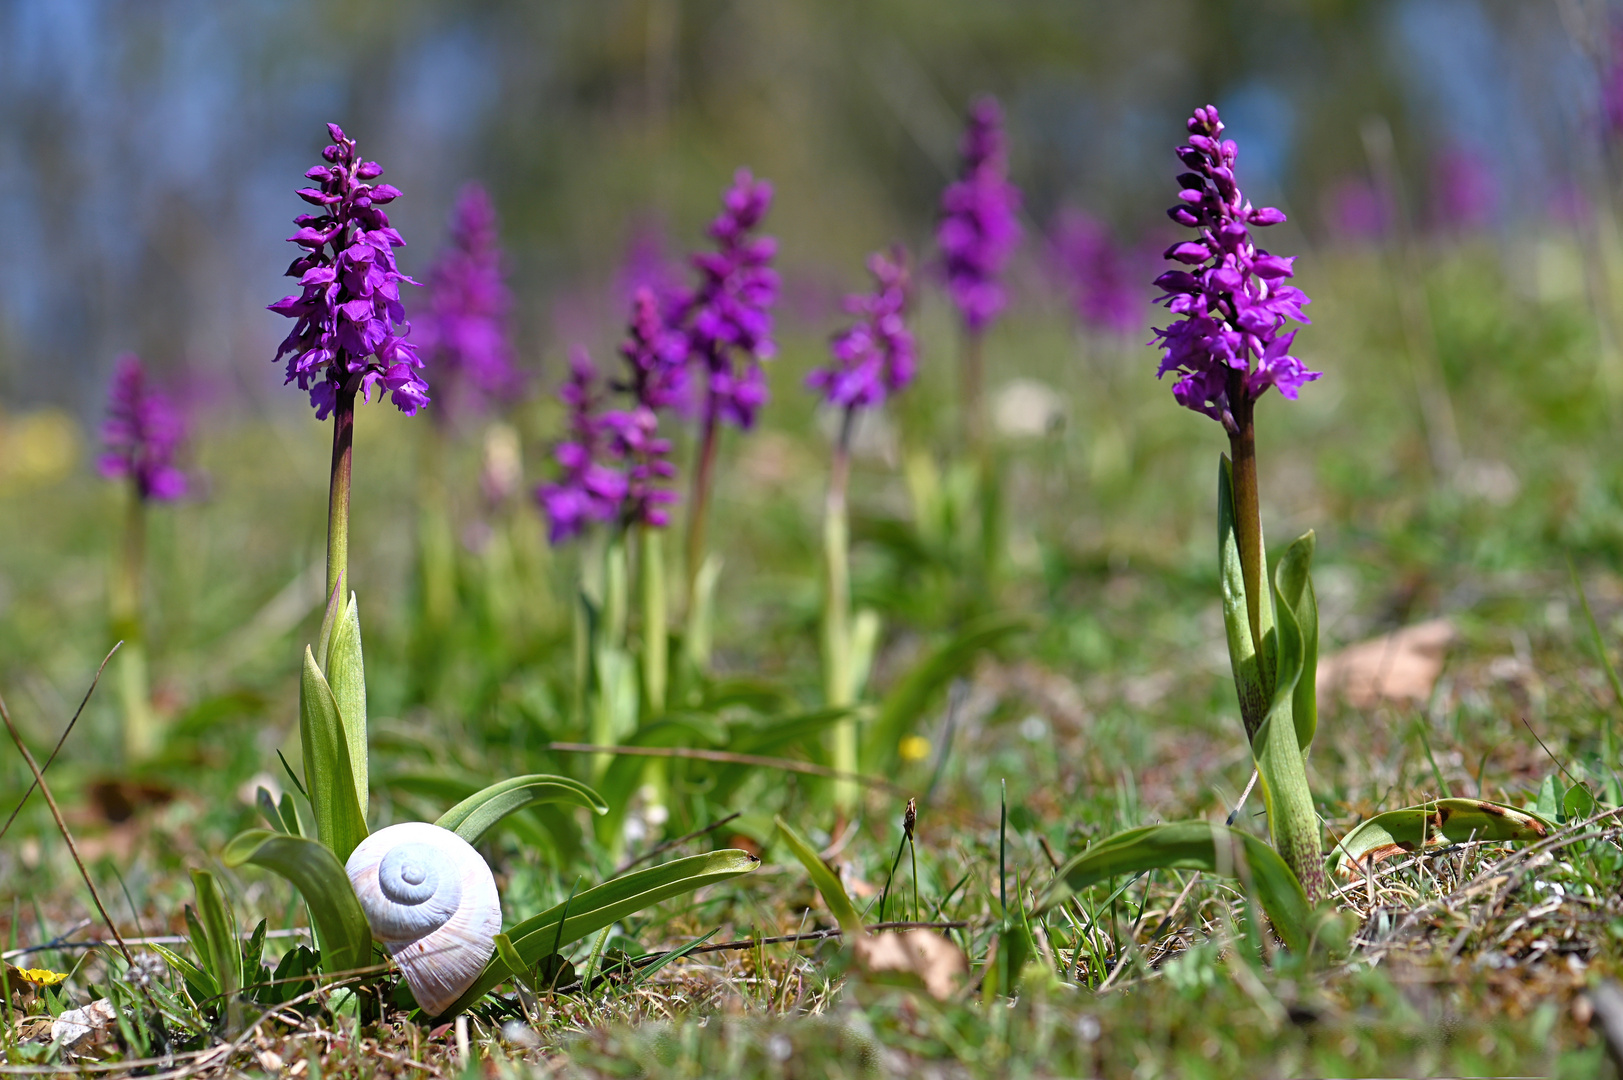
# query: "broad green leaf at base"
{"points": [[828, 884], [1434, 824], [1194, 845], [480, 812], [345, 937], [598, 907]]}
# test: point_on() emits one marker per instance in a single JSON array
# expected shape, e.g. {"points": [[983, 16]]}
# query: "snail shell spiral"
{"points": [[432, 902]]}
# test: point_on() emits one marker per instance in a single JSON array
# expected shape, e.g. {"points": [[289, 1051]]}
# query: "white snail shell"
{"points": [[432, 902]]}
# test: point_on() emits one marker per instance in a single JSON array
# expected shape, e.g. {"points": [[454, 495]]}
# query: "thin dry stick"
{"points": [[62, 826], [65, 733], [93, 943], [667, 845], [727, 757], [1244, 795]]}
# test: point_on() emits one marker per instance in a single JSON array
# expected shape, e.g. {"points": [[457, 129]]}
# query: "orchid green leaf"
{"points": [[1193, 845], [340, 819], [224, 959], [346, 675], [589, 911], [345, 938], [480, 812], [1434, 824], [1295, 591], [827, 882]]}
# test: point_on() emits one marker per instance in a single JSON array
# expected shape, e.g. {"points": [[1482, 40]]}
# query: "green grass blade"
{"points": [[608, 903], [827, 882], [480, 812], [1193, 845], [346, 939], [1434, 824], [340, 819], [648, 972]]}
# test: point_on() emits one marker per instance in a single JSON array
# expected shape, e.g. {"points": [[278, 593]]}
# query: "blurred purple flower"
{"points": [[142, 431], [647, 264], [1464, 193], [1356, 211], [1233, 296], [465, 335], [591, 488], [979, 225], [1103, 277], [875, 356], [655, 353], [728, 319], [349, 308], [634, 440], [1611, 87]]}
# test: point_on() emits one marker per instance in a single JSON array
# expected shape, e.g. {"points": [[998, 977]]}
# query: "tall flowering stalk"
{"points": [[978, 231], [1228, 349], [871, 359], [616, 470], [465, 337], [351, 331], [349, 338], [141, 435], [728, 323]]}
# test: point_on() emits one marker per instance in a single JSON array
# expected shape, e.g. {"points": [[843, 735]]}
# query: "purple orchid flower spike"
{"points": [[1229, 348], [142, 433], [466, 333], [591, 488], [351, 333], [1100, 274], [876, 356], [729, 316], [980, 224]]}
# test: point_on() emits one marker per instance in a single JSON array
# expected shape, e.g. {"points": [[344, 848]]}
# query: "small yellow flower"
{"points": [[914, 748], [42, 976]]}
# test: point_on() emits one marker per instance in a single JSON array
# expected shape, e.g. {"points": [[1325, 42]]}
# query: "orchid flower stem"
{"points": [[1293, 825], [343, 440], [140, 726], [655, 637], [837, 688], [655, 646], [699, 504], [1248, 523], [972, 390]]}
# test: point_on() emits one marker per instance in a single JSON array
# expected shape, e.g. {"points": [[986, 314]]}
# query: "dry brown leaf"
{"points": [[937, 962], [1401, 665], [81, 1030]]}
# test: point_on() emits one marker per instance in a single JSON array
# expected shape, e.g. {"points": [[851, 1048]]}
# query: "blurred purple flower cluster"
{"points": [[1102, 275], [728, 318], [1464, 190], [1235, 300], [979, 225], [142, 431], [349, 306], [590, 489], [615, 465], [876, 355], [465, 335]]}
